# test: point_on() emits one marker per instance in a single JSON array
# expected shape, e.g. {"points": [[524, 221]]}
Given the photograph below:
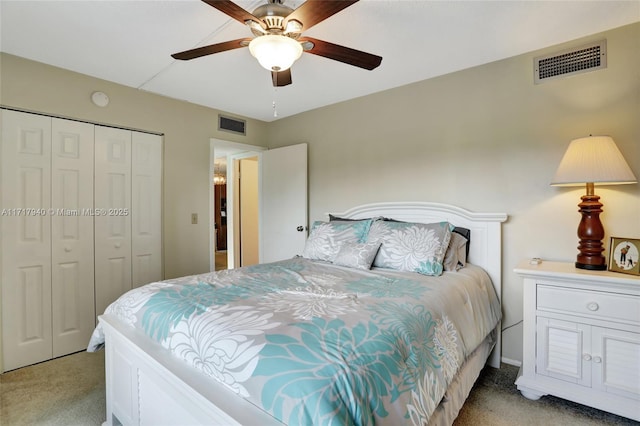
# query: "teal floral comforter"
{"points": [[317, 344]]}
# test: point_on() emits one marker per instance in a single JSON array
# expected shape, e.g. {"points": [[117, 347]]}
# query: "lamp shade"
{"points": [[275, 52], [593, 159]]}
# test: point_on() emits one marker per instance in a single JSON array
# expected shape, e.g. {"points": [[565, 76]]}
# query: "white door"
{"points": [[72, 286], [26, 239], [112, 224], [283, 202], [615, 357], [146, 208]]}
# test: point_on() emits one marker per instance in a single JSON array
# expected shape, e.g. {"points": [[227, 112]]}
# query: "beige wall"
{"points": [[187, 129], [487, 139]]}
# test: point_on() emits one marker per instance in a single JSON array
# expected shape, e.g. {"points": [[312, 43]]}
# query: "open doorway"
{"points": [[282, 200], [226, 205], [220, 212]]}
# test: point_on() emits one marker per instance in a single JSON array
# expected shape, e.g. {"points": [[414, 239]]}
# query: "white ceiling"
{"points": [[130, 42]]}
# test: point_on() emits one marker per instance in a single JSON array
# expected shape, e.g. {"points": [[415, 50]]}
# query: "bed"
{"points": [[353, 331]]}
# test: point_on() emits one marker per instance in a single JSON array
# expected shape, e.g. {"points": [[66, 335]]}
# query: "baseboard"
{"points": [[511, 362]]}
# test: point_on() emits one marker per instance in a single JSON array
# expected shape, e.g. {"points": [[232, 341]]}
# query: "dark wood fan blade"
{"points": [[312, 12], [234, 11], [211, 49], [343, 54], [281, 78]]}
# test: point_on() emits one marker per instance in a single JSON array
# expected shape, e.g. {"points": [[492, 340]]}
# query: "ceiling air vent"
{"points": [[577, 60], [232, 125]]}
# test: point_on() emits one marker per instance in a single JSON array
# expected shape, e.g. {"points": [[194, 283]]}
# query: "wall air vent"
{"points": [[577, 60], [233, 125]]}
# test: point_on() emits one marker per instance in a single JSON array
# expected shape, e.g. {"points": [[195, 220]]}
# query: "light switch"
{"points": [[194, 218]]}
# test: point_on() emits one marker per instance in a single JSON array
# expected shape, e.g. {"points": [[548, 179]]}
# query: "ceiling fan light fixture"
{"points": [[275, 52]]}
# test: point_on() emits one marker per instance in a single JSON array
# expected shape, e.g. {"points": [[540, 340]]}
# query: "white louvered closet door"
{"points": [[73, 315], [26, 239], [146, 208], [112, 222]]}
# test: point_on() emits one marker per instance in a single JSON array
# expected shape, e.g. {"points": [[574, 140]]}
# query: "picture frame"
{"points": [[624, 255]]}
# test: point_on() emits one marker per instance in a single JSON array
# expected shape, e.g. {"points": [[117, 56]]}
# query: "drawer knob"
{"points": [[593, 306], [586, 357]]}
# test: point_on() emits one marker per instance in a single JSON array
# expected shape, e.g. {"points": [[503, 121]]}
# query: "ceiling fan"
{"points": [[278, 40]]}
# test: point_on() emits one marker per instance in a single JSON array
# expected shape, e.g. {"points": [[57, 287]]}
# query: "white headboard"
{"points": [[485, 249]]}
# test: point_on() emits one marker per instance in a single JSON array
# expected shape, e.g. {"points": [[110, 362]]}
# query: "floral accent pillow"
{"points": [[356, 255], [412, 247], [326, 238]]}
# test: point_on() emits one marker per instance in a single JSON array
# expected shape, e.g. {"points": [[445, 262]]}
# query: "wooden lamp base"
{"points": [[590, 233]]}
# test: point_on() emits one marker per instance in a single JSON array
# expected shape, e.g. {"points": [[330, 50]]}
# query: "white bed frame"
{"points": [[145, 384]]}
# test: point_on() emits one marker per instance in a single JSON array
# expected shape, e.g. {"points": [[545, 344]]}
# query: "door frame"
{"points": [[232, 150]]}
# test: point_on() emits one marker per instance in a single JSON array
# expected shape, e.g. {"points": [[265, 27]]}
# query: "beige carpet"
{"points": [[495, 401], [70, 391], [65, 391]]}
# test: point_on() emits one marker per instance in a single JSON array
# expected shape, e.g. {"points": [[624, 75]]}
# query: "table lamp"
{"points": [[591, 160]]}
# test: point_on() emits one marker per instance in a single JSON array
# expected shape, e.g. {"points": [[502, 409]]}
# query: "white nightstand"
{"points": [[581, 337]]}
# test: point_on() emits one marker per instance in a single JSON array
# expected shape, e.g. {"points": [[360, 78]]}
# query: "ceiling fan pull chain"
{"points": [[275, 109]]}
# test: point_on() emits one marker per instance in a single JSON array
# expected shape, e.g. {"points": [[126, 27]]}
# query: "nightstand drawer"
{"points": [[592, 303]]}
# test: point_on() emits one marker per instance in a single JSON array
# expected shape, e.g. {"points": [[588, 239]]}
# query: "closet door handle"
{"points": [[117, 245], [67, 249]]}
